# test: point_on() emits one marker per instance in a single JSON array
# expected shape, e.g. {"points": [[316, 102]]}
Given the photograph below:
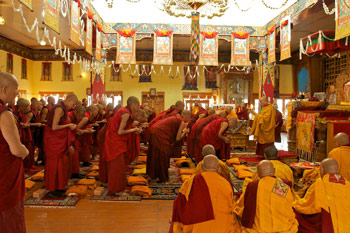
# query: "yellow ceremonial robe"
{"points": [[342, 155], [221, 195], [330, 196], [274, 212], [264, 123], [282, 171], [223, 170], [232, 114]]}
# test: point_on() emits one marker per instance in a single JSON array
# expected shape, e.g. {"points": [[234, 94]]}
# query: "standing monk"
{"points": [[58, 138], [263, 127], [279, 123], [213, 134], [341, 154], [166, 138], [115, 147], [12, 152]]}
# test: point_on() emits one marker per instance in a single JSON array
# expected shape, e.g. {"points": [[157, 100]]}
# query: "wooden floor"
{"points": [[147, 216]]}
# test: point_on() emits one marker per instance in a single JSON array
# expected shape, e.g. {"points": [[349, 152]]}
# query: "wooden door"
{"points": [[156, 101]]}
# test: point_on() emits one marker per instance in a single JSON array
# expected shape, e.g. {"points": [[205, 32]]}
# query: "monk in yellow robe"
{"points": [[326, 206], [224, 171], [205, 203], [342, 154], [263, 127], [268, 204], [230, 112]]}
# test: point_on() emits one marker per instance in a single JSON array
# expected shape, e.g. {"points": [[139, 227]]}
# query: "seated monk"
{"points": [[205, 203], [213, 134], [268, 203], [263, 127], [224, 171], [342, 154], [230, 112], [242, 112], [326, 206], [12, 182], [166, 141]]}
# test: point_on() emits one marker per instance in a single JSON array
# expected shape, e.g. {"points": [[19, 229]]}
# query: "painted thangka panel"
{"points": [[268, 81], [126, 46], [75, 23], [163, 48], [240, 49], [88, 47], [52, 14], [272, 44], [27, 3], [285, 38], [98, 45], [209, 44], [305, 134], [342, 21]]}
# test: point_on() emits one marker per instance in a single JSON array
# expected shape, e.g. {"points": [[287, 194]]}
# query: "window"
{"points": [[191, 74], [9, 65], [24, 69], [67, 71], [256, 105], [114, 100], [46, 71], [332, 67], [116, 73]]}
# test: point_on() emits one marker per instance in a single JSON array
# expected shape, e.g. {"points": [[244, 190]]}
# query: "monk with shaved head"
{"points": [[58, 137], [342, 154], [263, 127], [205, 202], [12, 187], [327, 201], [268, 203]]}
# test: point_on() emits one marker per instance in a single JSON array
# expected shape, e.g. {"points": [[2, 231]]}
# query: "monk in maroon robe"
{"points": [[213, 134], [193, 139], [242, 112], [58, 137], [279, 123], [166, 141], [12, 186], [198, 112], [36, 127], [116, 145]]}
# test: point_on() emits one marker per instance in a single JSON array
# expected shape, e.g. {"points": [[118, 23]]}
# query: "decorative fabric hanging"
{"points": [[240, 49], [98, 42], [145, 73], [194, 53], [342, 19], [268, 81], [210, 74], [190, 79], [272, 44], [126, 47], [97, 87], [52, 14], [209, 44], [285, 35], [163, 48], [88, 41], [27, 3], [75, 22]]}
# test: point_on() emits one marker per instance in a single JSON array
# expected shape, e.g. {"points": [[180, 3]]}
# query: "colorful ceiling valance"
{"points": [[209, 44], [240, 49]]}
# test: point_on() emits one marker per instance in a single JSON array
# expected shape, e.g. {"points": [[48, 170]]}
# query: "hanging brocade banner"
{"points": [[88, 41], [194, 53], [342, 19], [285, 38], [98, 42], [268, 82], [52, 14], [209, 44], [27, 3], [75, 22], [126, 46], [240, 49], [272, 44], [163, 48]]}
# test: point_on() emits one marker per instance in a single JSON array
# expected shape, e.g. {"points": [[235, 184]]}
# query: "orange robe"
{"points": [[57, 143], [210, 135], [164, 145], [12, 188], [341, 154], [115, 149], [232, 114]]}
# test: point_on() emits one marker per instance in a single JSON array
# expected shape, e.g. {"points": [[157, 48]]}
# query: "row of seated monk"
{"points": [[206, 201]]}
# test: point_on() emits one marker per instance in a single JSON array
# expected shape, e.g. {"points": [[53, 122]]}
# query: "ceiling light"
{"points": [[2, 20], [42, 42]]}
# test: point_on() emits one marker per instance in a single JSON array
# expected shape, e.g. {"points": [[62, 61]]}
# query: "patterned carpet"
{"points": [[105, 198], [49, 202]]}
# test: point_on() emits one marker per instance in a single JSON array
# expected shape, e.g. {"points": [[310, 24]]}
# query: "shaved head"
{"points": [[80, 109], [271, 152], [223, 114], [329, 166], [8, 88], [186, 115], [232, 122], [141, 116], [208, 150], [7, 79], [211, 111], [341, 139], [51, 100], [210, 163], [23, 102], [179, 105], [264, 101], [132, 100], [265, 168], [72, 97], [110, 107], [92, 108]]}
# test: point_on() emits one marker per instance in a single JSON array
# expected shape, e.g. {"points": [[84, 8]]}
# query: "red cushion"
{"points": [[285, 154]]}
